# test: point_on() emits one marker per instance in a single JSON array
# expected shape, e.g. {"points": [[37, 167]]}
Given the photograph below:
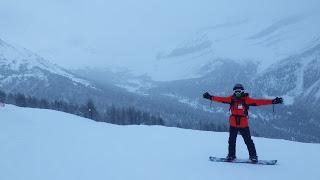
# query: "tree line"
{"points": [[110, 114]]}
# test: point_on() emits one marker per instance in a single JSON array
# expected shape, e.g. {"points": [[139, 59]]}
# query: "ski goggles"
{"points": [[238, 91]]}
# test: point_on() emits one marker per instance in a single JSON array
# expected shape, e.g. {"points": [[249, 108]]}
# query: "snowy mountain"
{"points": [[295, 78], [271, 56], [120, 77], [22, 71], [45, 144], [270, 41], [18, 59], [26, 72]]}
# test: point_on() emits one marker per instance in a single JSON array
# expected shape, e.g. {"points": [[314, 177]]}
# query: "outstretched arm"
{"points": [[220, 99], [226, 100], [262, 102], [258, 102]]}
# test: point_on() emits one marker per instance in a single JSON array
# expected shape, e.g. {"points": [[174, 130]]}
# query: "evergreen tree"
{"points": [[20, 100], [90, 111], [32, 102], [11, 99], [112, 114], [3, 97], [44, 104]]}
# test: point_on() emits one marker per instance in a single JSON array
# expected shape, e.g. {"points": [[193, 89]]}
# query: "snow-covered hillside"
{"points": [[297, 77], [45, 144], [18, 63], [23, 71]]}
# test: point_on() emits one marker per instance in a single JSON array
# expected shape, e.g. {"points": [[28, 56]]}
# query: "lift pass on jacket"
{"points": [[240, 106]]}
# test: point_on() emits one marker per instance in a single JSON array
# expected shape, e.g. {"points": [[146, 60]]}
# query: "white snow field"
{"points": [[48, 145]]}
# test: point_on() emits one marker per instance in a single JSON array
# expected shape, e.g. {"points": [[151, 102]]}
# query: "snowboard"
{"points": [[248, 161]]}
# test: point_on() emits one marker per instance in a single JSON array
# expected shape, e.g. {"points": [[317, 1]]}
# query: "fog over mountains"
{"points": [[137, 34], [166, 61], [25, 72]]}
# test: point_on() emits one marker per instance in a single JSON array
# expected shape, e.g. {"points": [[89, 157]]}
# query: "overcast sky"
{"points": [[77, 33]]}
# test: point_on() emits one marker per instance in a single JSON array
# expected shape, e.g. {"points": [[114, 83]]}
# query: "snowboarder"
{"points": [[239, 106]]}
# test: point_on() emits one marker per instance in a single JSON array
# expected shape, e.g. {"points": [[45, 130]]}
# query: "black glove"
{"points": [[206, 95], [277, 100]]}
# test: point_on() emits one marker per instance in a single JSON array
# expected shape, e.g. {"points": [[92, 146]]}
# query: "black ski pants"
{"points": [[245, 133]]}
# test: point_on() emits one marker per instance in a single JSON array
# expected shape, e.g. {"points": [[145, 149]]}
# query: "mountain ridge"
{"points": [[295, 78]]}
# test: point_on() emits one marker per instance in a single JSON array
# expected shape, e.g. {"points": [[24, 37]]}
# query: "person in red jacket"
{"points": [[239, 104]]}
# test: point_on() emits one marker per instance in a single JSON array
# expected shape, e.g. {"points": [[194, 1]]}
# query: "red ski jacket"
{"points": [[239, 108]]}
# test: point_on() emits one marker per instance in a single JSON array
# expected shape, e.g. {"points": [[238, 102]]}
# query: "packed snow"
{"points": [[45, 144]]}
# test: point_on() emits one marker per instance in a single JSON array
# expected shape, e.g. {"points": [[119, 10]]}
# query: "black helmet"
{"points": [[238, 86], [238, 90]]}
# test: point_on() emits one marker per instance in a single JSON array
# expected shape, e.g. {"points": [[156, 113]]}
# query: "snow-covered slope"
{"points": [[44, 144]]}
